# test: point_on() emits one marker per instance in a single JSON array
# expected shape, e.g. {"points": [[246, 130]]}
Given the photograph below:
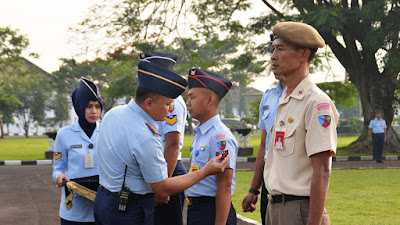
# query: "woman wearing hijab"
{"points": [[75, 154]]}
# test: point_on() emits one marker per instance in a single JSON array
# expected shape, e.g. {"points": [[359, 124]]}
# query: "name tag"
{"points": [[89, 160], [279, 140], [75, 146]]}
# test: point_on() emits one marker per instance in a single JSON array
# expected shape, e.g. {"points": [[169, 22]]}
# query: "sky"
{"points": [[46, 24]]}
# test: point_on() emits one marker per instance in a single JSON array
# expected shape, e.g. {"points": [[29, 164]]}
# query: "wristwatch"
{"points": [[254, 191]]}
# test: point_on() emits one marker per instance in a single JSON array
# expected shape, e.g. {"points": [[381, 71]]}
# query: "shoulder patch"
{"points": [[152, 129], [219, 136], [324, 120], [171, 119], [57, 155], [322, 106]]}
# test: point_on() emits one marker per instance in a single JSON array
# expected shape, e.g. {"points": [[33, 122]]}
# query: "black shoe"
{"points": [[380, 161]]}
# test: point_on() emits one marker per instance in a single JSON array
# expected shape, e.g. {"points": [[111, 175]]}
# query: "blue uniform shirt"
{"points": [[69, 158], [377, 126], [175, 121], [268, 105], [125, 139], [212, 137]]}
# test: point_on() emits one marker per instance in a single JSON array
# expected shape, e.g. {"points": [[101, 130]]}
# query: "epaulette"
{"points": [[152, 129]]}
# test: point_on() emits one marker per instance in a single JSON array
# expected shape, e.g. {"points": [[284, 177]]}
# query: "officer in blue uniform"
{"points": [[377, 133], [131, 161], [172, 131], [75, 152], [209, 201], [268, 105]]}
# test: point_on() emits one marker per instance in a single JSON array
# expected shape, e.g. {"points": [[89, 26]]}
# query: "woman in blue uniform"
{"points": [[75, 152]]}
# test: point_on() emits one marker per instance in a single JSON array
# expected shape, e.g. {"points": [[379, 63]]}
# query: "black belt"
{"points": [[131, 194], [285, 198], [201, 199]]}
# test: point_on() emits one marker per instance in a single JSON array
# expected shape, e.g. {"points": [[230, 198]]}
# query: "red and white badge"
{"points": [[279, 140]]}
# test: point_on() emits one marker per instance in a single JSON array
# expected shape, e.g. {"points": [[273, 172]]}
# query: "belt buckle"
{"points": [[189, 201], [270, 199]]}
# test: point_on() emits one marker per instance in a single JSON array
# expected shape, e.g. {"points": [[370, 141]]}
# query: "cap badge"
{"points": [[192, 72]]}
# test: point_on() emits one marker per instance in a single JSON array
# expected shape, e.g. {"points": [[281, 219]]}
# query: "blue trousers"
{"points": [[67, 222], [139, 211], [263, 202], [171, 213], [378, 140], [204, 214]]}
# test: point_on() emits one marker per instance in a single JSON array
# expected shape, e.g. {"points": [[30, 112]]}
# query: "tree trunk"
{"points": [[1, 126]]}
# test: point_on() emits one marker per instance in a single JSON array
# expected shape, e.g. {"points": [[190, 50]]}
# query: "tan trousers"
{"points": [[291, 213]]}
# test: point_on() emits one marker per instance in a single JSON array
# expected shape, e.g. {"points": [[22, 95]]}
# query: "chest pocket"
{"points": [[265, 114], [202, 156], [289, 142]]}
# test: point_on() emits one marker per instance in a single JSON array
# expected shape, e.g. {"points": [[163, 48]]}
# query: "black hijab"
{"points": [[86, 92]]}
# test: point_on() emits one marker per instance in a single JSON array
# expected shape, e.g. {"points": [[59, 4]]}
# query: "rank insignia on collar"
{"points": [[171, 119], [324, 120], [152, 129], [57, 155]]}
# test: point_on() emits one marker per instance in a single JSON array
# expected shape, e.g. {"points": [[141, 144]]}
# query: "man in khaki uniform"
{"points": [[297, 175]]}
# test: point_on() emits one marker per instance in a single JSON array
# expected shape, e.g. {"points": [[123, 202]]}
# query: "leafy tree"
{"points": [[32, 92], [342, 93], [12, 43], [364, 36], [254, 115]]}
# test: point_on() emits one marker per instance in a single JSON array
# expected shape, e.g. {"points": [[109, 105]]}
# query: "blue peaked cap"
{"points": [[155, 73]]}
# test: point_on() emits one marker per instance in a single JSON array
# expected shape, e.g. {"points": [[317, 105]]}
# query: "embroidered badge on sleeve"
{"points": [[221, 145], [171, 119], [57, 155], [322, 106], [219, 136], [324, 120]]}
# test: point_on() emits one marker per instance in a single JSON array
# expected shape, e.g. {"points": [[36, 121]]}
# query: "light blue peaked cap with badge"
{"points": [[155, 73]]}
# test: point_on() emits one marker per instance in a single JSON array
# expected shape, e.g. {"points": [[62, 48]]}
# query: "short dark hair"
{"points": [[313, 52], [142, 94], [378, 111]]}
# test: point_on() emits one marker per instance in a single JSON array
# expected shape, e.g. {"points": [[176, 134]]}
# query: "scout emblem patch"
{"points": [[57, 155], [171, 119], [279, 139], [221, 145], [324, 120], [152, 129]]}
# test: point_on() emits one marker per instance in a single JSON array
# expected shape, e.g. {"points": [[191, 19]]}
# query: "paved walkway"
{"points": [[28, 194]]}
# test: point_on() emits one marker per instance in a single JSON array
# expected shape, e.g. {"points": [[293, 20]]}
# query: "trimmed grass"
{"points": [[24, 149], [34, 148], [356, 197]]}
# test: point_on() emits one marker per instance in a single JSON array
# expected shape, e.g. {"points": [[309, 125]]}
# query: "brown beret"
{"points": [[299, 34]]}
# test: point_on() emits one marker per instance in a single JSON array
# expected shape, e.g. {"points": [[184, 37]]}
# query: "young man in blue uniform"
{"points": [[268, 105], [131, 161], [377, 133], [172, 131], [209, 201]]}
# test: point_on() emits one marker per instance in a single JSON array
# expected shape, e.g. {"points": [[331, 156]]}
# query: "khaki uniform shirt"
{"points": [[306, 121]]}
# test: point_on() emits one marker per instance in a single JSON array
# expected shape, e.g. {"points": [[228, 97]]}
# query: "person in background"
{"points": [[75, 152], [268, 105], [172, 131], [377, 134], [209, 201]]}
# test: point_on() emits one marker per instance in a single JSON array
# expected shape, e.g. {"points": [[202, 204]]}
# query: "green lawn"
{"points": [[34, 148], [356, 197]]}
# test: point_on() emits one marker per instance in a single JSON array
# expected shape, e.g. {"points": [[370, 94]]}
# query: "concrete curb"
{"points": [[247, 220], [187, 160]]}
